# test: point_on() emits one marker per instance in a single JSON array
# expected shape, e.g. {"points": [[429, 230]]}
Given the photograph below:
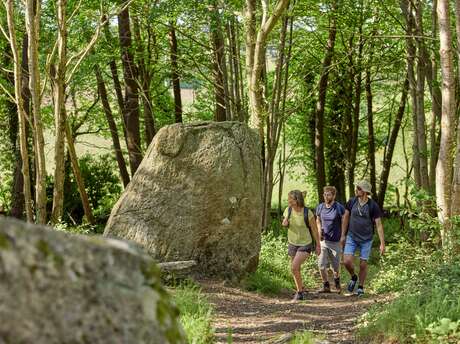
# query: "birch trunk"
{"points": [[444, 165], [33, 12], [9, 5], [58, 76], [456, 176]]}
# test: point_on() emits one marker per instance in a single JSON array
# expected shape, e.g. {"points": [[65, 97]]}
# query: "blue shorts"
{"points": [[364, 248]]}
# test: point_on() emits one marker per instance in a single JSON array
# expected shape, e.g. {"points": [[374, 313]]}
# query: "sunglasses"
{"points": [[359, 189]]}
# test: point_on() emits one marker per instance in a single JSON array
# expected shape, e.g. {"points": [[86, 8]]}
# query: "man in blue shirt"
{"points": [[329, 222], [361, 214]]}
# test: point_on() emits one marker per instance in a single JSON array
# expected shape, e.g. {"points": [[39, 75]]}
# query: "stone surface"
{"points": [[62, 288], [197, 195]]}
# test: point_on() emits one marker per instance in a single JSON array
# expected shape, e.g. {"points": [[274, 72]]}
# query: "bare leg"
{"points": [[362, 271], [323, 273], [348, 261], [296, 262]]}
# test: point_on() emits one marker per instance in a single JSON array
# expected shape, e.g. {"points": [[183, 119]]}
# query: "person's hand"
{"points": [[382, 248], [318, 249], [285, 222]]}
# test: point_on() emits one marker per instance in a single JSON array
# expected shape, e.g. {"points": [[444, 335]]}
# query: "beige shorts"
{"points": [[330, 255]]}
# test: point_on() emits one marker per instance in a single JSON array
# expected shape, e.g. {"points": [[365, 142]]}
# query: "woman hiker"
{"points": [[301, 225]]}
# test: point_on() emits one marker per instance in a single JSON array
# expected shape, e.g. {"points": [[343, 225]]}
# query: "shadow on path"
{"points": [[255, 318]]}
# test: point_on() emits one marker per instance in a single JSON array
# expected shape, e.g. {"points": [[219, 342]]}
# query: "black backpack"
{"points": [[305, 218]]}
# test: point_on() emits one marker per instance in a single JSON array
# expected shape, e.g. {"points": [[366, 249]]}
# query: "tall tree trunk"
{"points": [[58, 76], [420, 94], [435, 101], [411, 53], [257, 48], [78, 176], [9, 5], [131, 101], [355, 115], [444, 165], [456, 175], [145, 79], [274, 122], [112, 126], [218, 63], [320, 104], [175, 76], [33, 9], [120, 98], [255, 61], [370, 137], [391, 144]]}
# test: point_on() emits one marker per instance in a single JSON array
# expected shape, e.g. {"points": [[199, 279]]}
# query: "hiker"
{"points": [[329, 222], [301, 225], [361, 214]]}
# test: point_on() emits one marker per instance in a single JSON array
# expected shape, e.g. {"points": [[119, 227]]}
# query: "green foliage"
{"points": [[195, 313], [302, 337], [102, 185], [428, 291]]}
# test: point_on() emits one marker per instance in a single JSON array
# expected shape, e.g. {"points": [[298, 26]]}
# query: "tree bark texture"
{"points": [[131, 100], [370, 137], [58, 79], [320, 104], [33, 10], [391, 144], [445, 165], [175, 76], [78, 176], [112, 126], [219, 66]]}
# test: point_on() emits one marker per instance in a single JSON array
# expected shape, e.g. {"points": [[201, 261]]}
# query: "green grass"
{"points": [[427, 304], [303, 337], [195, 313]]}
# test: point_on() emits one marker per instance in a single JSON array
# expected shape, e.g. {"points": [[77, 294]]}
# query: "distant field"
{"points": [[96, 145]]}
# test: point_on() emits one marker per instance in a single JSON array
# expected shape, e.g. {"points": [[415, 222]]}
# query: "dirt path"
{"points": [[254, 318]]}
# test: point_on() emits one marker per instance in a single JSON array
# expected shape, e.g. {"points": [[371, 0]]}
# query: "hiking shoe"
{"points": [[338, 288], [325, 289], [360, 292], [351, 285], [299, 296]]}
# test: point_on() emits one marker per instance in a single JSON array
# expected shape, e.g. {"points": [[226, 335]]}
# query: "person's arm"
{"points": [[285, 222], [379, 224], [314, 232], [318, 225], [345, 219]]}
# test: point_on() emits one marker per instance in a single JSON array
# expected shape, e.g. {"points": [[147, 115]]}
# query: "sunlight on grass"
{"points": [[195, 313]]}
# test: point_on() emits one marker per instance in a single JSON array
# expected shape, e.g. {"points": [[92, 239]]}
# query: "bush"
{"points": [[195, 313], [102, 185], [425, 299]]}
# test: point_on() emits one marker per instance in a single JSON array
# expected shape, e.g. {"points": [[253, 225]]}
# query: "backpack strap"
{"points": [[289, 212]]}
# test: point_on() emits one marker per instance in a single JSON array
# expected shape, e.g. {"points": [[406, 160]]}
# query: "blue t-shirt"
{"points": [[331, 220], [362, 218]]}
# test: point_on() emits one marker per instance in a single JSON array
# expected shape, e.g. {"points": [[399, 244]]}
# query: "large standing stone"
{"points": [[197, 195], [61, 288]]}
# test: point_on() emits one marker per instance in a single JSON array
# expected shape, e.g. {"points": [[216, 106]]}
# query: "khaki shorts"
{"points": [[330, 255]]}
